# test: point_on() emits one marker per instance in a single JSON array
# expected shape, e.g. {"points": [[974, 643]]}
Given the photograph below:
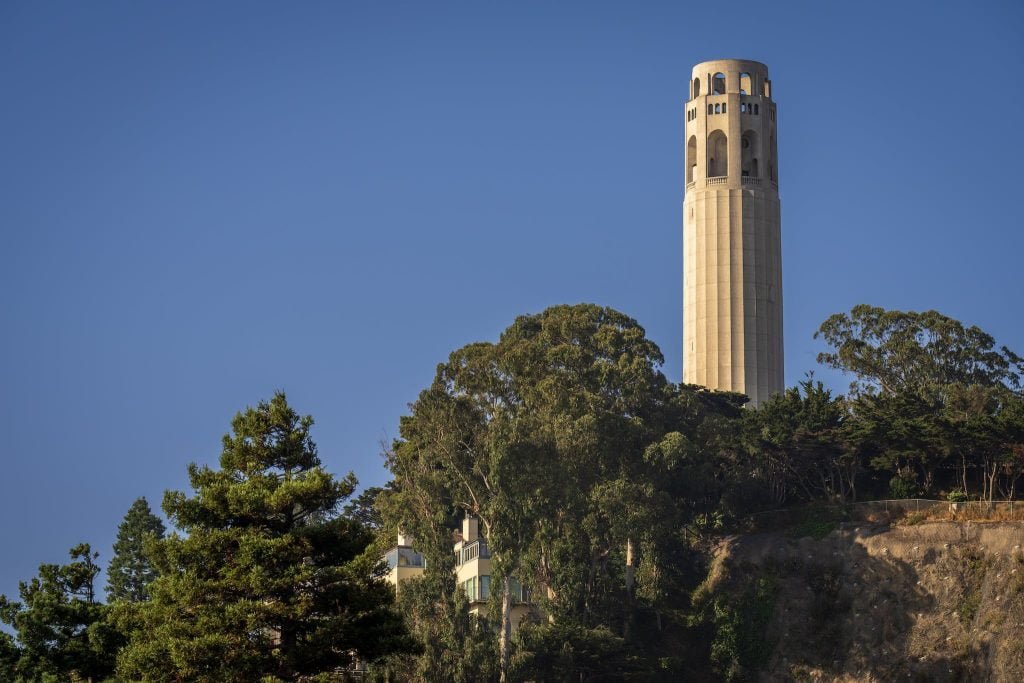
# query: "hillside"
{"points": [[935, 601]]}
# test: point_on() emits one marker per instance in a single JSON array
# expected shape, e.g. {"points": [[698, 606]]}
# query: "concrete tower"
{"points": [[732, 246]]}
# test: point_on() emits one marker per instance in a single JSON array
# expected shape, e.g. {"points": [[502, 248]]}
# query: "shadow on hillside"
{"points": [[840, 612]]}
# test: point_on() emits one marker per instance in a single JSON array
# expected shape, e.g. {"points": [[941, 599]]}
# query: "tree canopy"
{"points": [[544, 437], [61, 629], [909, 352], [269, 581], [130, 571], [600, 488]]}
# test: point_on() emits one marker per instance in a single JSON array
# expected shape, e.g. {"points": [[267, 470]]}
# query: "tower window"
{"points": [[711, 109], [691, 158], [718, 157], [718, 84], [743, 107], [718, 109], [748, 148], [723, 107], [696, 88], [746, 82], [756, 112]]}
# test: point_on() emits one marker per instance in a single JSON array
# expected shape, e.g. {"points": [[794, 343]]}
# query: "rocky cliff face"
{"points": [[937, 601]]}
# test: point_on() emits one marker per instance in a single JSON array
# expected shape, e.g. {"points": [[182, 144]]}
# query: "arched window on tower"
{"points": [[691, 159], [718, 154], [696, 88], [748, 154], [718, 84], [746, 84]]}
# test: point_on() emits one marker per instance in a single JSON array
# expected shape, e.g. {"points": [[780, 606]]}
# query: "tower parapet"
{"points": [[732, 247]]}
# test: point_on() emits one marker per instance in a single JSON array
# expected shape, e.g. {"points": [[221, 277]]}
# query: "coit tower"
{"points": [[732, 246]]}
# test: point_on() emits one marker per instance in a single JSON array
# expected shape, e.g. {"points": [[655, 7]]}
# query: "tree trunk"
{"points": [[505, 632], [630, 568], [963, 471], [630, 580], [993, 473]]}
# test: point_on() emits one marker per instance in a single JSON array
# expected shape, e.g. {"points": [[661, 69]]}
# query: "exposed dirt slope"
{"points": [[939, 601]]}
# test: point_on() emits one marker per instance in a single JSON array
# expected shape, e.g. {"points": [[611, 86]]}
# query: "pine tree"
{"points": [[131, 570], [61, 628], [268, 581], [8, 657]]}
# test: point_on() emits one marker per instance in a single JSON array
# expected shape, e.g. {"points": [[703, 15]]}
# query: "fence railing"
{"points": [[1005, 510]]}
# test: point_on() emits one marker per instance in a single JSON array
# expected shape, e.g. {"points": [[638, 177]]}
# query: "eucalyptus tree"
{"points": [[927, 394], [541, 436], [901, 352]]}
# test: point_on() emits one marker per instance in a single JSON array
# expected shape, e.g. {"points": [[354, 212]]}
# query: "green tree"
{"points": [[363, 508], [918, 353], [61, 628], [9, 656], [542, 437], [570, 652], [800, 439], [130, 571], [928, 396], [269, 581]]}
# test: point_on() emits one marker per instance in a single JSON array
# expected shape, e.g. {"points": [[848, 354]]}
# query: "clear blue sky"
{"points": [[201, 203]]}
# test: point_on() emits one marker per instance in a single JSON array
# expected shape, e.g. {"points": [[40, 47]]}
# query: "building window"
{"points": [[404, 557], [519, 593], [711, 109], [485, 587]]}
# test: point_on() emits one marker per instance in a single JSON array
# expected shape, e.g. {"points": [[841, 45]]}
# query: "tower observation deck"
{"points": [[732, 243]]}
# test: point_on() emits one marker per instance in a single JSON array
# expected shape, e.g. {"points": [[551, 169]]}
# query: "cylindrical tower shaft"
{"points": [[732, 246]]}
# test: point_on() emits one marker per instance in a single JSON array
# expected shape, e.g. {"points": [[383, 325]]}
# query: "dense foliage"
{"points": [[61, 629], [269, 582], [599, 486], [131, 571]]}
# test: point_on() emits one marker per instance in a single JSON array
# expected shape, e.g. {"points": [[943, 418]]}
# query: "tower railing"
{"points": [[723, 179]]}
